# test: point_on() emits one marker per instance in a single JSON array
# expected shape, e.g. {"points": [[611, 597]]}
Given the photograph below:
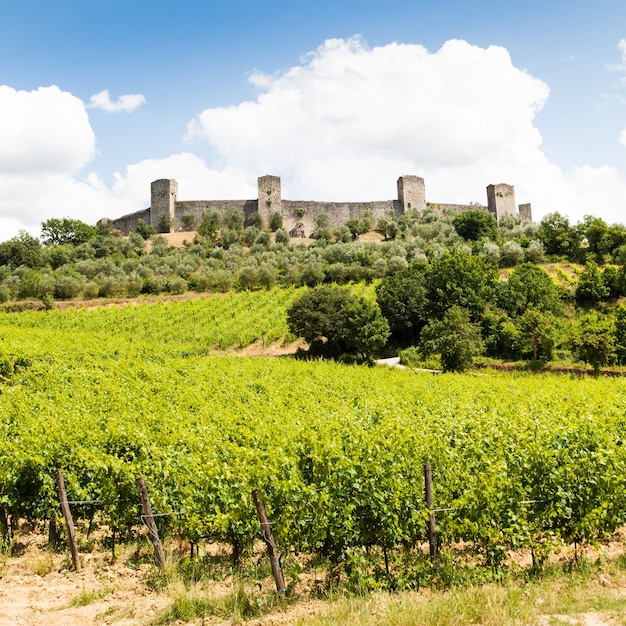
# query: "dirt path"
{"points": [[35, 590]]}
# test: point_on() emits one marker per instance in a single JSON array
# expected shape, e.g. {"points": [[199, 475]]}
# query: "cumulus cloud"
{"points": [[346, 121], [46, 131], [342, 124], [45, 141], [348, 111], [196, 181], [124, 104]]}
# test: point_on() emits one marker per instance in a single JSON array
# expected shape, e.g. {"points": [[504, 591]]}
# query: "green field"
{"points": [[338, 451]]}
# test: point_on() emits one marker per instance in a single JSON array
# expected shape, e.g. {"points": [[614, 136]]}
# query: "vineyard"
{"points": [[337, 451]]}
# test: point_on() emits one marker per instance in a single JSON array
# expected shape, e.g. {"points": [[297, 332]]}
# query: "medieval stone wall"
{"points": [[447, 209], [198, 208], [301, 216], [128, 222]]}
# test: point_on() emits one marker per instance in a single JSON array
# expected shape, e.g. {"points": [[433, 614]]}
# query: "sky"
{"points": [[98, 98]]}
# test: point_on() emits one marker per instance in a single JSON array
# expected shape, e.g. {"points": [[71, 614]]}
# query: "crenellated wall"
{"points": [[446, 209], [198, 208], [300, 217], [126, 223]]}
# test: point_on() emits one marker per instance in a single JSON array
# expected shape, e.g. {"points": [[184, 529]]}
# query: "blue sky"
{"points": [[99, 98]]}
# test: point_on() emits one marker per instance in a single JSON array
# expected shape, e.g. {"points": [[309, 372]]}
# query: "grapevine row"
{"points": [[338, 451]]}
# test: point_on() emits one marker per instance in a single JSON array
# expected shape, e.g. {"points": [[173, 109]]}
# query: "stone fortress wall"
{"points": [[300, 217]]}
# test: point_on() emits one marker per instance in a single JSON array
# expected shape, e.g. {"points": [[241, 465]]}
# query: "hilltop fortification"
{"points": [[299, 216]]}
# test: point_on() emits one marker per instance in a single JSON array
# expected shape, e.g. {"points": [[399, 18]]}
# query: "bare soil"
{"points": [[38, 588]]}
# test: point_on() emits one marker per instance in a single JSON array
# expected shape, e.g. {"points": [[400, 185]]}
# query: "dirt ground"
{"points": [[38, 588]]}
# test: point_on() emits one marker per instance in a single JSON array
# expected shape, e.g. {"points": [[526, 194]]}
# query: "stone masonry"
{"points": [[300, 217]]}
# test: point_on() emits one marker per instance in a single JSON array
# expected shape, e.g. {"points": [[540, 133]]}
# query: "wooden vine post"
{"points": [[268, 537], [67, 515], [148, 519], [428, 492]]}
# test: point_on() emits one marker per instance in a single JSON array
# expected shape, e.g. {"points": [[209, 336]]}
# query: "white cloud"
{"points": [[46, 131], [124, 104], [622, 137], [620, 67], [195, 180], [341, 125], [349, 106], [347, 121], [45, 141]]}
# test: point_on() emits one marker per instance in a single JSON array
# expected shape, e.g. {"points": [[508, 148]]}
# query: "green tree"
{"points": [[535, 251], [354, 226], [367, 221], [323, 220], [209, 224], [249, 277], [620, 334], [59, 231], [276, 221], [317, 317], [282, 236], [490, 251], [334, 323], [512, 254], [189, 221], [312, 273], [460, 279], [403, 301], [501, 335], [254, 219], [30, 284], [474, 225], [234, 219], [613, 281], [22, 250], [164, 223], [229, 238], [557, 236], [613, 240], [537, 334], [248, 235], [323, 235], [529, 286], [367, 330], [454, 338], [595, 341], [263, 238], [144, 229], [593, 229], [591, 288]]}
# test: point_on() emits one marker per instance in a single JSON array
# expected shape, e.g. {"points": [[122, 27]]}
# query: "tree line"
{"points": [[436, 277]]}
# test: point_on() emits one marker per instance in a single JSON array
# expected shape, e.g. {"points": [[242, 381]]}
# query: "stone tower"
{"points": [[270, 197], [163, 194], [501, 200], [526, 212], [411, 193]]}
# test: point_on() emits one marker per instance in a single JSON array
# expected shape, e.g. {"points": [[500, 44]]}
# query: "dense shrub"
{"points": [[337, 323]]}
